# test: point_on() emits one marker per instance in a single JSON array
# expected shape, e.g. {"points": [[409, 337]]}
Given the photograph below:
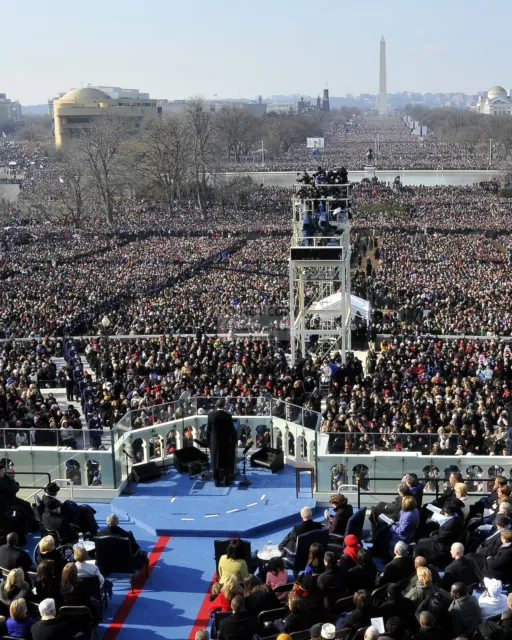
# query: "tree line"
{"points": [[176, 156]]}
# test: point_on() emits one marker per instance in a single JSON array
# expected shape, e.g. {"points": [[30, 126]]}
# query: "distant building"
{"points": [[10, 110], [325, 101], [77, 109], [118, 92], [216, 106], [497, 103]]}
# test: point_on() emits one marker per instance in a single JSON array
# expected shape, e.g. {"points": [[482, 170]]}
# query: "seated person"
{"points": [[47, 584], [362, 614], [308, 524], [460, 570], [363, 575], [403, 530], [139, 557], [299, 618], [415, 487], [12, 557], [428, 628], [401, 567], [221, 600], [420, 561], [233, 561], [337, 523], [86, 567], [49, 628], [14, 587], [258, 597], [436, 549], [330, 579], [395, 604], [315, 563], [423, 587], [498, 566], [464, 611], [47, 551], [53, 520], [19, 623], [240, 625], [276, 574], [461, 493], [492, 601], [390, 509], [348, 558]]}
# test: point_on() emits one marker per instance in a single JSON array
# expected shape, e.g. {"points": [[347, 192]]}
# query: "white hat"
{"points": [[493, 586], [328, 631]]}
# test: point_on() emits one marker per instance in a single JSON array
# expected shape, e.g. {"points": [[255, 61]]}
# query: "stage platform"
{"points": [[179, 506]]}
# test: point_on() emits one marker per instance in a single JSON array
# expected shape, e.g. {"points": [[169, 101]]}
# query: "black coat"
{"points": [[52, 629], [117, 531], [12, 558], [239, 626], [499, 566], [460, 570], [490, 545], [57, 522], [222, 439], [396, 570], [290, 540], [338, 523]]}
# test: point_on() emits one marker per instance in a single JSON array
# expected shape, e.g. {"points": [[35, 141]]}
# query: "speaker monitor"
{"points": [[268, 458], [183, 458], [145, 472]]}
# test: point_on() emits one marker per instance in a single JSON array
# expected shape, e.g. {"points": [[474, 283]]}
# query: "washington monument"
{"points": [[383, 98]]}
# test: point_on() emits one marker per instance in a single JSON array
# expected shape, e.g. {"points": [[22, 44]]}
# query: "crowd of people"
{"points": [[436, 570]]}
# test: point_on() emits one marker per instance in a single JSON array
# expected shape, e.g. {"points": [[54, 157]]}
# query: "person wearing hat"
{"points": [[337, 524], [10, 503], [53, 520], [50, 493], [492, 601]]}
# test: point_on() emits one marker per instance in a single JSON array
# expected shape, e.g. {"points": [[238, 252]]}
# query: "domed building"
{"points": [[78, 109], [497, 103]]}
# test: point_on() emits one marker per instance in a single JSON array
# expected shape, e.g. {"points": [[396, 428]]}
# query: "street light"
{"points": [[105, 323]]}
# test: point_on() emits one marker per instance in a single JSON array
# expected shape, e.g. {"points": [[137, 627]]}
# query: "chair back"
{"points": [[304, 541], [359, 634], [283, 588], [91, 586], [271, 614], [220, 547], [344, 604], [218, 616], [78, 618], [331, 596], [379, 594], [113, 555], [301, 635], [355, 523]]}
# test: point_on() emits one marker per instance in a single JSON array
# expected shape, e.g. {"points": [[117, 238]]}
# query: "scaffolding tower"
{"points": [[320, 315]]}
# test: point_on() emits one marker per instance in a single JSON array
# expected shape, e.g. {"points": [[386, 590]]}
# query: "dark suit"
{"points": [[397, 570], [290, 540], [52, 629], [460, 570], [12, 558], [490, 545], [222, 440], [499, 566], [436, 549], [435, 633], [239, 626]]}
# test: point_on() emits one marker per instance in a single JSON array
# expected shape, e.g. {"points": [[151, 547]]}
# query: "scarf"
{"points": [[352, 547]]}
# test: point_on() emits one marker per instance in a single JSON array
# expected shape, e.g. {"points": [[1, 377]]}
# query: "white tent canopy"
{"points": [[333, 302]]}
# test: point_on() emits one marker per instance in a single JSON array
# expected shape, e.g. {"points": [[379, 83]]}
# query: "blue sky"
{"points": [[240, 48]]}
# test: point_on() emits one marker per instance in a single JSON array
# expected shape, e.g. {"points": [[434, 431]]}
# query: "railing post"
{"points": [[358, 492]]}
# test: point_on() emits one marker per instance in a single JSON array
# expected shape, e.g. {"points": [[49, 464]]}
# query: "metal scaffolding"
{"points": [[320, 272]]}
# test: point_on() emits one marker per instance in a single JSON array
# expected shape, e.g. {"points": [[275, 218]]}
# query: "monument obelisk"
{"points": [[383, 98]]}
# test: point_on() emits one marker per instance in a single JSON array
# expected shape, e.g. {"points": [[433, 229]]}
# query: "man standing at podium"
{"points": [[222, 440]]}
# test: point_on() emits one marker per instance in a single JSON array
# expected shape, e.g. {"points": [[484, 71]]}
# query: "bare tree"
{"points": [[74, 187], [203, 148], [162, 157], [100, 147], [237, 130]]}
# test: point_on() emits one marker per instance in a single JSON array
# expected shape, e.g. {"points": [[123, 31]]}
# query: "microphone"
{"points": [[247, 447]]}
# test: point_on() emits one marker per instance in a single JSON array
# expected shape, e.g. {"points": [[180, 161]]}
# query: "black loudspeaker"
{"points": [[268, 458], [185, 457], [145, 472]]}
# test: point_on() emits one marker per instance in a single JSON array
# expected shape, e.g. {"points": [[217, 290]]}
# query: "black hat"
{"points": [[52, 489]]}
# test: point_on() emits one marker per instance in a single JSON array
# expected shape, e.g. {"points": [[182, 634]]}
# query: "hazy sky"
{"points": [[240, 48]]}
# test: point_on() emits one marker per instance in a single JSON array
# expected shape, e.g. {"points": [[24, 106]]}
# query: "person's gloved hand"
{"points": [[327, 515]]}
